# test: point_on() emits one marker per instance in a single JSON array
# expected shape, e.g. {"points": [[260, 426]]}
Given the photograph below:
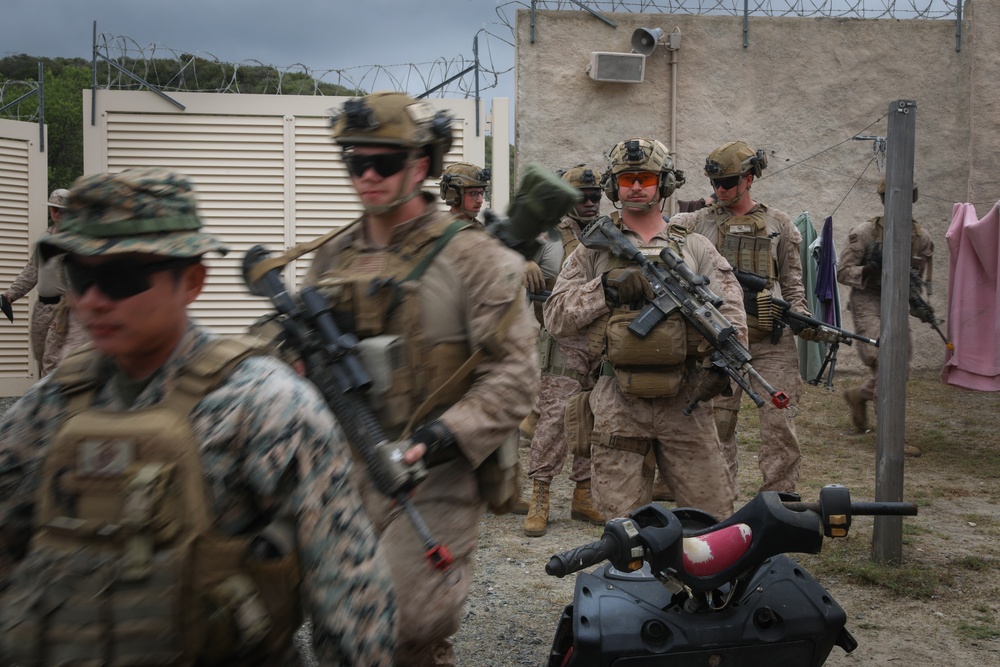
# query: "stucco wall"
{"points": [[800, 91]]}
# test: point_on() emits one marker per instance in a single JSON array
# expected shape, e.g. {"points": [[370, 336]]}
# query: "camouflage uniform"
{"points": [[261, 428], [686, 448], [865, 300], [53, 330], [777, 362], [266, 443], [548, 446], [464, 293]]}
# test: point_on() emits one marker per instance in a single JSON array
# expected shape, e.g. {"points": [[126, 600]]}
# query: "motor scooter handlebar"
{"points": [[707, 558]]}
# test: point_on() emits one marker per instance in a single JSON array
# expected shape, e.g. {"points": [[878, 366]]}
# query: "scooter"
{"points": [[682, 589]]}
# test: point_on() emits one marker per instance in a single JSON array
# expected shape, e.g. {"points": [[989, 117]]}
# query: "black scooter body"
{"points": [[782, 617]]}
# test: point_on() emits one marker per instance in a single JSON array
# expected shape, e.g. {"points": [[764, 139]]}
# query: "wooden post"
{"points": [[894, 339]]}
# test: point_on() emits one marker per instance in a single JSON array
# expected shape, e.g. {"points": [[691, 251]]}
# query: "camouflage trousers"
{"points": [[866, 312], [429, 603], [779, 455], [54, 333], [548, 446], [635, 435]]}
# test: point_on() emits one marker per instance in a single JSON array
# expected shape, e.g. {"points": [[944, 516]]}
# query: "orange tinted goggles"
{"points": [[645, 178]]}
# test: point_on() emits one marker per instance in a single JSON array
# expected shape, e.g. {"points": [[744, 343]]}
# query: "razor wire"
{"points": [[867, 9], [19, 100], [124, 64]]}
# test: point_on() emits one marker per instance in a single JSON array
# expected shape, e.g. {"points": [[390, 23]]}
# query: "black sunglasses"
{"points": [[726, 183], [384, 164], [592, 197], [118, 280]]}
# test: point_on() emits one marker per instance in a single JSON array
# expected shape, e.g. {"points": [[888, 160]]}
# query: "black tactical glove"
{"points": [[623, 286], [6, 307], [439, 441]]}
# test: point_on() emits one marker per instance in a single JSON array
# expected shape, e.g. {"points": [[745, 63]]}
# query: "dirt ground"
{"points": [[940, 606]]}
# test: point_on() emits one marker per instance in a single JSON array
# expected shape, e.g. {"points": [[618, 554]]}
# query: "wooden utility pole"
{"points": [[894, 338]]}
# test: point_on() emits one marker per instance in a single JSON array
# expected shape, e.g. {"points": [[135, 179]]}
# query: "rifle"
{"points": [[677, 288], [333, 366], [782, 312], [922, 310]]}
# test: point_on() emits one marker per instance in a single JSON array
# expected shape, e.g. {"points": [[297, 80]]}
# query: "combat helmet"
{"points": [[582, 176], [641, 155], [735, 159], [881, 190], [394, 119], [461, 175]]}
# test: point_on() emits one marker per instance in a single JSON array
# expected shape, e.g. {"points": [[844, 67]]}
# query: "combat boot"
{"points": [[911, 450], [537, 521], [859, 409], [520, 507], [583, 508]]}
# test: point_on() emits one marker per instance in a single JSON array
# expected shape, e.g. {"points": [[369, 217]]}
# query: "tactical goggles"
{"points": [[592, 197], [384, 164], [726, 183], [118, 280], [645, 178]]}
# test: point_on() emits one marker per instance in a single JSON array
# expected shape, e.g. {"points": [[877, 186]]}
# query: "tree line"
{"points": [[65, 79]]}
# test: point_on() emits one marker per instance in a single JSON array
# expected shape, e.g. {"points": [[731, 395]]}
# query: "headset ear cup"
{"points": [[667, 184], [759, 163], [610, 185]]}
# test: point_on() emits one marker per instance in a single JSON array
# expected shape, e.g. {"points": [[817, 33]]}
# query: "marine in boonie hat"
{"points": [[149, 211], [58, 198]]}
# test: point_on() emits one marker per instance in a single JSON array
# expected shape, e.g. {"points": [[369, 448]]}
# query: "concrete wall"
{"points": [[800, 91]]}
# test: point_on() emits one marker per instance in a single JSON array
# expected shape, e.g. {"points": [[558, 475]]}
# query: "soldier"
{"points": [[860, 268], [762, 240], [178, 487], [453, 295], [638, 408], [566, 368], [463, 188], [53, 331]]}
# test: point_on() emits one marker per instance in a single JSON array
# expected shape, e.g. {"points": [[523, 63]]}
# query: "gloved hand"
{"points": [[818, 335], [6, 307], [433, 443], [712, 383], [622, 286], [533, 279]]}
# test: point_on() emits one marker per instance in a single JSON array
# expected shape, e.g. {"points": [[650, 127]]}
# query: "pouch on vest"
{"points": [[578, 422], [665, 345], [650, 381], [125, 567], [499, 476]]}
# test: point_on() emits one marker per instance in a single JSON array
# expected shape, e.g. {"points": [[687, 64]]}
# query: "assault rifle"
{"points": [[334, 367], [782, 312], [783, 315], [677, 289], [922, 310]]}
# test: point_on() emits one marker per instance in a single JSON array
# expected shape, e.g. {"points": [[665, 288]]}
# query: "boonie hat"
{"points": [[58, 198], [150, 211]]}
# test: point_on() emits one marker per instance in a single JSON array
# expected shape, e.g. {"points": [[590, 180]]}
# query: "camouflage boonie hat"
{"points": [[58, 198], [149, 211]]}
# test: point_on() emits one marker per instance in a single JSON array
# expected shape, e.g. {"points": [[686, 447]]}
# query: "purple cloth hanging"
{"points": [[826, 290]]}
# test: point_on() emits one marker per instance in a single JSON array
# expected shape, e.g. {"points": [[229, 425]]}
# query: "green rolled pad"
{"points": [[541, 201]]}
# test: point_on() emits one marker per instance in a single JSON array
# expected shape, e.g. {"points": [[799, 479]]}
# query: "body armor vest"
{"points": [[877, 247], [744, 241], [376, 294], [654, 366], [551, 360], [125, 567]]}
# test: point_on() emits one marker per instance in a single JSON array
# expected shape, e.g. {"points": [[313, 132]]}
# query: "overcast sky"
{"points": [[319, 34]]}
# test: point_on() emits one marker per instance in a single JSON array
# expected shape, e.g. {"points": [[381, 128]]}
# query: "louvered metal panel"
{"points": [[265, 169], [23, 215]]}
